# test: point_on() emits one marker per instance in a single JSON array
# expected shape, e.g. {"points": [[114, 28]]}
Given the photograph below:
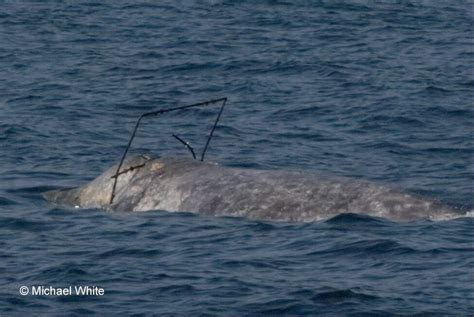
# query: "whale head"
{"points": [[97, 194]]}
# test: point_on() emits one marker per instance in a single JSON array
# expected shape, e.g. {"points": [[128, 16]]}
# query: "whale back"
{"points": [[97, 193], [177, 184]]}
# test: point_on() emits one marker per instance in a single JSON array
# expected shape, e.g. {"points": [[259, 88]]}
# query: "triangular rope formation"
{"points": [[162, 111]]}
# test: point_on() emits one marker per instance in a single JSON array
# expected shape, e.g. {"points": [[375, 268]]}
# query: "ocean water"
{"points": [[377, 90]]}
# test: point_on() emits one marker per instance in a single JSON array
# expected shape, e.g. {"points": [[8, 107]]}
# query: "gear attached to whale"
{"points": [[221, 101]]}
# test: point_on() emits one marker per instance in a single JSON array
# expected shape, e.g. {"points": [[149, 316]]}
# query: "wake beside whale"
{"points": [[177, 184]]}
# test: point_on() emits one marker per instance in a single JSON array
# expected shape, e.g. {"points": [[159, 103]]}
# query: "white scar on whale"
{"points": [[185, 185]]}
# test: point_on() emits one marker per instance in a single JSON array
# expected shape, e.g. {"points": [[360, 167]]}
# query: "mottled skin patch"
{"points": [[189, 185], [156, 166]]}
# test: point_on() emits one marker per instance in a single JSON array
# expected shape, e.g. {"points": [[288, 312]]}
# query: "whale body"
{"points": [[185, 185]]}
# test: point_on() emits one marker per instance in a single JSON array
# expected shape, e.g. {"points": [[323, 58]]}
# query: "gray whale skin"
{"points": [[174, 184]]}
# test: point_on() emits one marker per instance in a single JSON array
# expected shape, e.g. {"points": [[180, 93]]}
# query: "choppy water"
{"points": [[380, 90]]}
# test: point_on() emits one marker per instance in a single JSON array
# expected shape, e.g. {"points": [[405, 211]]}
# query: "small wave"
{"points": [[248, 264], [7, 202], [452, 216], [24, 225], [129, 252], [337, 296], [397, 119], [281, 307], [300, 111], [261, 226], [376, 246], [65, 270], [469, 214], [32, 189], [179, 289], [447, 111], [469, 83], [352, 218], [435, 89]]}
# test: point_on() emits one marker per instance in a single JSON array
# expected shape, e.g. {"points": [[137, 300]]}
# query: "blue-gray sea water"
{"points": [[377, 90]]}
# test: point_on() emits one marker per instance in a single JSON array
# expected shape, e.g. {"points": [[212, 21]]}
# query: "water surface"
{"points": [[367, 89]]}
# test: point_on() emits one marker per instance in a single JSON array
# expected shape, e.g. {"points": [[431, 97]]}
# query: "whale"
{"points": [[175, 184]]}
